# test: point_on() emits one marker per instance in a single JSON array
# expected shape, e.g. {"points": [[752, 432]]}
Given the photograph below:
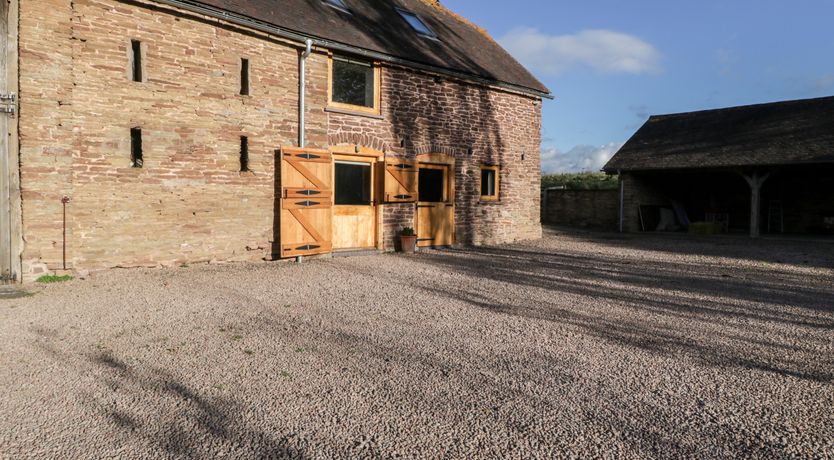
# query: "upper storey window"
{"points": [[417, 23], [338, 4], [354, 85]]}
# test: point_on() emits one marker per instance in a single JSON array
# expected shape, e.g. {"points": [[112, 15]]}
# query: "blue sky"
{"points": [[611, 63]]}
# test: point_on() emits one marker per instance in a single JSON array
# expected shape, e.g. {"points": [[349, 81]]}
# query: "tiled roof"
{"points": [[375, 25], [780, 133]]}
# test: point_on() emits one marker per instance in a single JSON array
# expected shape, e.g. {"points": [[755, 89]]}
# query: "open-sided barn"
{"points": [[761, 168]]}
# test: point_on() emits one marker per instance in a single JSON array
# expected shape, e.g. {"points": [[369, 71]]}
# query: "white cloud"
{"points": [[578, 159], [605, 51]]}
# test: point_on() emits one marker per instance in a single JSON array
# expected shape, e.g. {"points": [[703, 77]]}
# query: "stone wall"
{"points": [[638, 190], [597, 209], [190, 202], [426, 114]]}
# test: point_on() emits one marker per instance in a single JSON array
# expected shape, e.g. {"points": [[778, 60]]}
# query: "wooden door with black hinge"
{"points": [[306, 202], [401, 185], [436, 206]]}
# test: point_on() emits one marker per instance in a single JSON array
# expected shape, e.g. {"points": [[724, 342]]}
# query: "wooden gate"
{"points": [[306, 202]]}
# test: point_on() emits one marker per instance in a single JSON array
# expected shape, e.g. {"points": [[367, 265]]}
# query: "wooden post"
{"points": [[755, 181], [622, 201], [6, 270]]}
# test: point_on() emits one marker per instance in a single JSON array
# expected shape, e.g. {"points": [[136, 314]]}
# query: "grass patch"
{"points": [[220, 387], [285, 374], [249, 352], [49, 279], [299, 350], [12, 306], [237, 337]]}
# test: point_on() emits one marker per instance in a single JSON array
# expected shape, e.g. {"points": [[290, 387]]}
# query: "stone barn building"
{"points": [[766, 168], [161, 132]]}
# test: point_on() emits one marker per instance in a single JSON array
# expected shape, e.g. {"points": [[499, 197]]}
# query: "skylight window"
{"points": [[416, 23], [338, 4]]}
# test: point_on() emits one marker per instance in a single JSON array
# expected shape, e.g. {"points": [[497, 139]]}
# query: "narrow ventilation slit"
{"points": [[244, 77], [244, 154], [136, 55], [136, 159]]}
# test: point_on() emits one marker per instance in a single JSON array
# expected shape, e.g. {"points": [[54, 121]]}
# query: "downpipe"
{"points": [[302, 101], [302, 92]]}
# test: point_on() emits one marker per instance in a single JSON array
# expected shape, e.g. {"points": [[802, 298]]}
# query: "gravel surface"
{"points": [[578, 345]]}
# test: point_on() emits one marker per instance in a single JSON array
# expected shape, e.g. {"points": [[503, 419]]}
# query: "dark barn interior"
{"points": [[794, 200]]}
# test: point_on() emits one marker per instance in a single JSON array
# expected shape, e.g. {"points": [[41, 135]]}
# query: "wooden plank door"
{"points": [[355, 208], [306, 202], [401, 185], [436, 206]]}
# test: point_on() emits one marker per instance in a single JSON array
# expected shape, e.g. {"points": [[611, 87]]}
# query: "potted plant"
{"points": [[408, 240]]}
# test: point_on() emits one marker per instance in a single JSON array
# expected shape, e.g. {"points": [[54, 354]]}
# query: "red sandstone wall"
{"points": [[425, 114], [190, 203]]}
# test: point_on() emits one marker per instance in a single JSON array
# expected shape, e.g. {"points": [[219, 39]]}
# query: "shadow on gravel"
{"points": [[800, 251], [775, 322], [179, 420]]}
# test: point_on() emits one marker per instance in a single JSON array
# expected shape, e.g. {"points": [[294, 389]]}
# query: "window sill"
{"points": [[357, 113], [488, 199]]}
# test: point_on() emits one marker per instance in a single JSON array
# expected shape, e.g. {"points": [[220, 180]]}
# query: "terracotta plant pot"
{"points": [[408, 243]]}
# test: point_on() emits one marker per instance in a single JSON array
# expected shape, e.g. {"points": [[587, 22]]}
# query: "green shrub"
{"points": [[48, 279], [581, 181]]}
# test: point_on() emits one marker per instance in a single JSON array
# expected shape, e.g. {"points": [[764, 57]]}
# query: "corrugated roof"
{"points": [[779, 133], [375, 25]]}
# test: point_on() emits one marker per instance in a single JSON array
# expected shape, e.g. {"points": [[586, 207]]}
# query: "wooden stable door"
{"points": [[355, 208], [436, 206], [306, 202]]}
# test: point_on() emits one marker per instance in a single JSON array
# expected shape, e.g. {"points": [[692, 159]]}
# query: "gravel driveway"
{"points": [[579, 345]]}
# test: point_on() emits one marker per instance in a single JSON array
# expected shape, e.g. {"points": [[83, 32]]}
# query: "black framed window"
{"points": [[353, 183], [488, 182], [431, 184]]}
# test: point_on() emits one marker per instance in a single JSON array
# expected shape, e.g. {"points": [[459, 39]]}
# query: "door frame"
{"points": [[447, 161], [377, 160], [12, 244]]}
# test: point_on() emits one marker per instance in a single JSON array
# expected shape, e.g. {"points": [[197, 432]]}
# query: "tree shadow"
{"points": [[793, 250], [665, 308], [194, 423]]}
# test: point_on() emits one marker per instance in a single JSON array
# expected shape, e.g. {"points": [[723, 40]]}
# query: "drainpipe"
{"points": [[302, 101], [622, 200], [302, 91]]}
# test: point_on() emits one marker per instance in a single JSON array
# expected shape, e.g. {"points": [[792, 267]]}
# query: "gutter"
{"points": [[261, 26]]}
